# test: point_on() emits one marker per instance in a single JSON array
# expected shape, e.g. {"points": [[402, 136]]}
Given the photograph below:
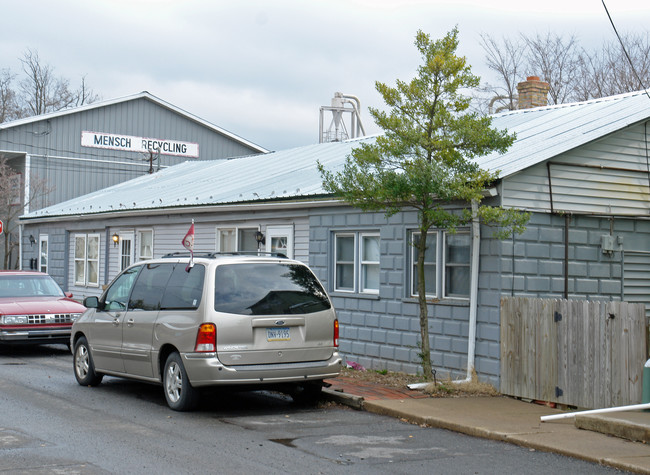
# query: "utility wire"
{"points": [[625, 51]]}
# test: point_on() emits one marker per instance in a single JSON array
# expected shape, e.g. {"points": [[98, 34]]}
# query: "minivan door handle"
{"points": [[130, 322], [116, 320]]}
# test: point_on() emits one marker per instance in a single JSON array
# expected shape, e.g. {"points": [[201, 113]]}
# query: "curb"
{"points": [[522, 439], [355, 402]]}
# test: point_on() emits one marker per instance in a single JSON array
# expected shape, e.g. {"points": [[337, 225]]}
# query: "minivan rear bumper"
{"points": [[206, 370]]}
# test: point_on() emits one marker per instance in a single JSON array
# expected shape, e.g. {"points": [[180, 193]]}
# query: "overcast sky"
{"points": [[261, 69]]}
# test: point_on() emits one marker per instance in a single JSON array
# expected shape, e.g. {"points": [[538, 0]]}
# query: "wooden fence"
{"points": [[587, 354]]}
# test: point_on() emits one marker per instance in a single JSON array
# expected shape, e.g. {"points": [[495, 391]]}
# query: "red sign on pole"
{"points": [[1, 226]]}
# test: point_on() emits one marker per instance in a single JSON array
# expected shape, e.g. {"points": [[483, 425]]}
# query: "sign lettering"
{"points": [[130, 143]]}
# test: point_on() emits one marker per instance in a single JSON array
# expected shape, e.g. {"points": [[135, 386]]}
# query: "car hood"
{"points": [[39, 305]]}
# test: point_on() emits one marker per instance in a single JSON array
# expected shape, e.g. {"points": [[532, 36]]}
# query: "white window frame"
{"points": [[237, 230], [43, 266], [445, 264], [357, 262], [279, 232], [338, 262], [85, 280], [367, 263], [440, 266], [140, 233], [413, 262], [125, 237]]}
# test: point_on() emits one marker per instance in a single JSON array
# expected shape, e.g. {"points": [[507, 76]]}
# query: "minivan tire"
{"points": [[84, 367], [179, 393]]}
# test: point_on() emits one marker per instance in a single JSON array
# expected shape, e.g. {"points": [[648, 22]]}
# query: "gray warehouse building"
{"points": [[62, 155]]}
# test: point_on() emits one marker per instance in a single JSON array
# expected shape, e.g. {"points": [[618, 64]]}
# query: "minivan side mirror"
{"points": [[91, 302]]}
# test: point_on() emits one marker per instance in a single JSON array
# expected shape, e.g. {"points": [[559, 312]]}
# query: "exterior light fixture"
{"points": [[115, 239], [260, 238], [32, 241]]}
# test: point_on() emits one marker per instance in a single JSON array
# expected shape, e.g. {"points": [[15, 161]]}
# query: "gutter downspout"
{"points": [[473, 301], [20, 246], [473, 294]]}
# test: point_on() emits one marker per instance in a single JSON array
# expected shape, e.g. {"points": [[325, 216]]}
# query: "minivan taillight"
{"points": [[206, 338], [336, 333]]}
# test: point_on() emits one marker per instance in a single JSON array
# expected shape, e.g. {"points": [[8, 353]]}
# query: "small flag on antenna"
{"points": [[188, 243]]}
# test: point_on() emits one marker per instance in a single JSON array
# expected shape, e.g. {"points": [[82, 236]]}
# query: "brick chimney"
{"points": [[532, 93]]}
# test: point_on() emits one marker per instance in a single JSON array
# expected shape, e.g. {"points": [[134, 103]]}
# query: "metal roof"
{"points": [[141, 95], [287, 174], [545, 132], [542, 133]]}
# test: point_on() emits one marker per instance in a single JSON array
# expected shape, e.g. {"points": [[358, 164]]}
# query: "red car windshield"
{"points": [[29, 286]]}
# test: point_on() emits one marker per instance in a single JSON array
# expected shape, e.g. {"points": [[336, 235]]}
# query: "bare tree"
{"points": [[573, 73], [608, 71], [556, 61], [13, 202], [506, 60], [9, 108], [84, 95], [42, 91]]}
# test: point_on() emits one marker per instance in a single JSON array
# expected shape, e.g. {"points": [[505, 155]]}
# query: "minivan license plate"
{"points": [[278, 334]]}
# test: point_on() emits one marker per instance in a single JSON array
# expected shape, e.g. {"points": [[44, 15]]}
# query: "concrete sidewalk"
{"points": [[511, 420]]}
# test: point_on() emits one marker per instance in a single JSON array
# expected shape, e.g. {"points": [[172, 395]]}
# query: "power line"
{"points": [[625, 51]]}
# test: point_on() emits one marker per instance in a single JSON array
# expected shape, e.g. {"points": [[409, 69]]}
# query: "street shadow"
{"points": [[26, 350], [215, 402]]}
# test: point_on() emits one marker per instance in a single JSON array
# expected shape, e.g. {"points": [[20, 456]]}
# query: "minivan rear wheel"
{"points": [[179, 393]]}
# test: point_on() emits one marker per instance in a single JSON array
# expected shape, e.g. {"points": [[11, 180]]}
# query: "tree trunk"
{"points": [[422, 300]]}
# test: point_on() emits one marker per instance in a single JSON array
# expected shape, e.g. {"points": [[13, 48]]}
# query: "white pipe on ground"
{"points": [[568, 415]]}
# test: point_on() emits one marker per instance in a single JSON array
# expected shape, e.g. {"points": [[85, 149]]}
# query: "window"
{"points": [[369, 263], [429, 265], [86, 259], [356, 262], [42, 253], [145, 245], [236, 240], [457, 263], [126, 250], [446, 269], [268, 289], [184, 289], [150, 286], [117, 295], [279, 239]]}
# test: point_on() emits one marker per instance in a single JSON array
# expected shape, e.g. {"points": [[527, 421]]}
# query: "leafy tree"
{"points": [[424, 160]]}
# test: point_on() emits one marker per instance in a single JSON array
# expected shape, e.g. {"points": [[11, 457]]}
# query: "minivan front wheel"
{"points": [[179, 393], [84, 368]]}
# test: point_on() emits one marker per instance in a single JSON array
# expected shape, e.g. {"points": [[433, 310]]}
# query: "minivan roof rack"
{"points": [[212, 255]]}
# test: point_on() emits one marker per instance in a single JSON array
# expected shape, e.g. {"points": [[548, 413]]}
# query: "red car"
{"points": [[34, 309]]}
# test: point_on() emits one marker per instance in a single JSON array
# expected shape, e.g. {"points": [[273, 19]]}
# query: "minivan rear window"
{"points": [[268, 289]]}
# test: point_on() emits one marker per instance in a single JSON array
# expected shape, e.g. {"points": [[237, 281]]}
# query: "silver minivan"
{"points": [[214, 320]]}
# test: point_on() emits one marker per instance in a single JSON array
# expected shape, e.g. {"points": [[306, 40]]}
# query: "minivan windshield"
{"points": [[268, 288]]}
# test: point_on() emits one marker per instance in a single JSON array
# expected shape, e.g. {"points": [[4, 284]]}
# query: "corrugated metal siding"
{"points": [[616, 181], [636, 278], [56, 154], [547, 132]]}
